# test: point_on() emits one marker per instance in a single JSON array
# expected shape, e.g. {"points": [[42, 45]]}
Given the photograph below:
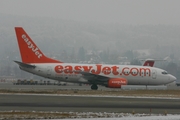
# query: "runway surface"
{"points": [[82, 103], [88, 104], [83, 87]]}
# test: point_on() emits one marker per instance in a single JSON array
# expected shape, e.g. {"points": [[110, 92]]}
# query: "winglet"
{"points": [[29, 51]]}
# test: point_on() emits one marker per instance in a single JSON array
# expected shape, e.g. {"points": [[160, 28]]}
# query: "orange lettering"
{"points": [[58, 69], [68, 69], [77, 68], [106, 70], [134, 71], [114, 70], [87, 68], [125, 72], [144, 71], [98, 70]]}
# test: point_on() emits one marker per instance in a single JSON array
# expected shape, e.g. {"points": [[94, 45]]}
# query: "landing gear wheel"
{"points": [[94, 87]]}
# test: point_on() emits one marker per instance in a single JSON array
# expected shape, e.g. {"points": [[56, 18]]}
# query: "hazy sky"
{"points": [[106, 11]]}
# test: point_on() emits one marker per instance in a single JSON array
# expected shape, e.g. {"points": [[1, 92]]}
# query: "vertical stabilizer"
{"points": [[29, 51]]}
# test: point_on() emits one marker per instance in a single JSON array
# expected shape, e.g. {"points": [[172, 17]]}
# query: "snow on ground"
{"points": [[167, 117], [84, 116]]}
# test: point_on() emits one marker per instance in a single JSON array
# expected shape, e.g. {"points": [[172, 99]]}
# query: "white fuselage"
{"points": [[69, 72]]}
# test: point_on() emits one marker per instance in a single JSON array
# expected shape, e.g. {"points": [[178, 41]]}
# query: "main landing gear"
{"points": [[94, 87]]}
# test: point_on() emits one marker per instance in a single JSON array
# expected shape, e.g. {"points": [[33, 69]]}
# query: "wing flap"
{"points": [[93, 77]]}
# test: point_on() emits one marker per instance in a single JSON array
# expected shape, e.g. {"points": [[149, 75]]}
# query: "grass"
{"points": [[21, 115], [34, 115]]}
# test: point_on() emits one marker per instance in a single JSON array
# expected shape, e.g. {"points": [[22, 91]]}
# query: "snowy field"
{"points": [[159, 117], [86, 116]]}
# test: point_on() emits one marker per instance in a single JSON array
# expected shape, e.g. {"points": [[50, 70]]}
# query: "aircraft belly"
{"points": [[67, 78], [138, 81]]}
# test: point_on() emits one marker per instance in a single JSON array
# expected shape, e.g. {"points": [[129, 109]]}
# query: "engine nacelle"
{"points": [[116, 82]]}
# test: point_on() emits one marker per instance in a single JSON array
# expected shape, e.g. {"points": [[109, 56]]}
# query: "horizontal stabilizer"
{"points": [[24, 64]]}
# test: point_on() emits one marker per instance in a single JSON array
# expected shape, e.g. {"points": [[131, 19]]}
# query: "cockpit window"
{"points": [[164, 72]]}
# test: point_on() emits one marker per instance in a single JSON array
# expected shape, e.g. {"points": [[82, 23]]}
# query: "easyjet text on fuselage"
{"points": [[101, 69]]}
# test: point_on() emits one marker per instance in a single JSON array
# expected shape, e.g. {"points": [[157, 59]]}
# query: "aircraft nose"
{"points": [[172, 78]]}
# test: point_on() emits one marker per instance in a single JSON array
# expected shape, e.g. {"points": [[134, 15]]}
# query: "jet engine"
{"points": [[116, 82]]}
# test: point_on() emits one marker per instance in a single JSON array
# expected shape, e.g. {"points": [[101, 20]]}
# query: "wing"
{"points": [[93, 78]]}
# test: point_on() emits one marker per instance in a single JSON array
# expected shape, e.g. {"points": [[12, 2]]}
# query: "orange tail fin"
{"points": [[30, 53]]}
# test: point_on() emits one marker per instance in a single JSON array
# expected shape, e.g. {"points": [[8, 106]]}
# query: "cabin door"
{"points": [[154, 74], [49, 71]]}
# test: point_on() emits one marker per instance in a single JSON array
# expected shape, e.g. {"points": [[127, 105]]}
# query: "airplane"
{"points": [[112, 76]]}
